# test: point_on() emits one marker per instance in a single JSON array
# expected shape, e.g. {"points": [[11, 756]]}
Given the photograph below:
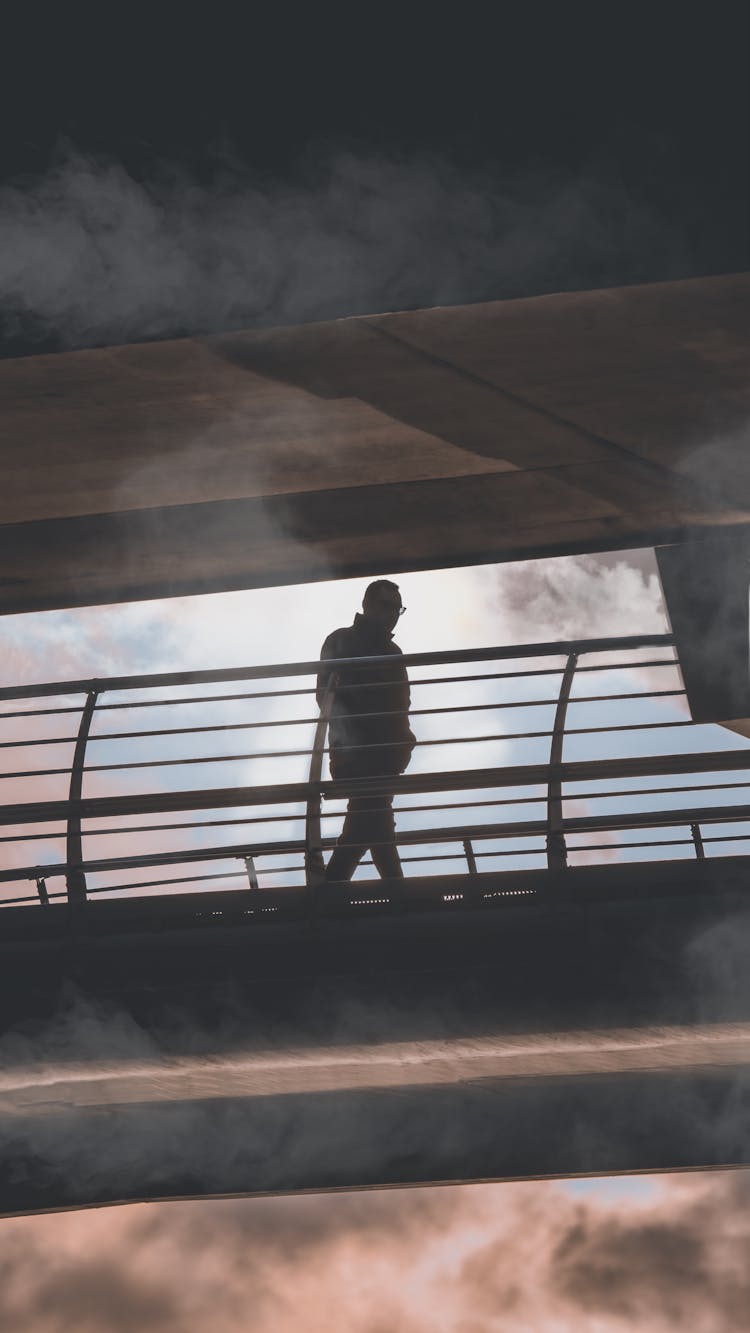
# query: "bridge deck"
{"points": [[574, 999]]}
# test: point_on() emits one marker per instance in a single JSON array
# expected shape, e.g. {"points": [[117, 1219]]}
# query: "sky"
{"points": [[656, 1254]]}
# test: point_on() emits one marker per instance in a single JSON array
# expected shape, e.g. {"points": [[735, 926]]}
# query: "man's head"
{"points": [[382, 603]]}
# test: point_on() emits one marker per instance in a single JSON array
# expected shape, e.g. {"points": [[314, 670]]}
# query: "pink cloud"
{"points": [[468, 1259]]}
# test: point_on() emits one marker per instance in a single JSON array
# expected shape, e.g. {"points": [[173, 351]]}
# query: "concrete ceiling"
{"points": [[583, 421]]}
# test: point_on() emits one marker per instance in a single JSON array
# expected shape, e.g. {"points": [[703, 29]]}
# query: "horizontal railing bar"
{"points": [[461, 856], [445, 856], [193, 824], [41, 837], [157, 883], [169, 701], [629, 846], [382, 712], [509, 675], [42, 712], [488, 803], [648, 791], [728, 814], [510, 851], [282, 891], [280, 670], [31, 898], [578, 796], [287, 819], [282, 870], [449, 856], [310, 690], [491, 736], [212, 727], [612, 698], [249, 755], [102, 865], [191, 879], [35, 773], [297, 793], [426, 837], [39, 740], [627, 666], [651, 842], [298, 869], [659, 842]]}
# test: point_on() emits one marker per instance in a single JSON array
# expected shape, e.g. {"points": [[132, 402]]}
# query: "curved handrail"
{"points": [[503, 653], [76, 877], [557, 855], [314, 866]]}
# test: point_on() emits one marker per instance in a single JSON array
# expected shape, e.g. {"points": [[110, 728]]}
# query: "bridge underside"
{"points": [[574, 422], [594, 1020]]}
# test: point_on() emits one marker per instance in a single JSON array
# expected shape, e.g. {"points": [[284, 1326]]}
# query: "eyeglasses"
{"points": [[390, 606]]}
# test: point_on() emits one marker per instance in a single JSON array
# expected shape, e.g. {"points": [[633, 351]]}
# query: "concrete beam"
{"points": [[706, 587], [576, 422], [603, 1029]]}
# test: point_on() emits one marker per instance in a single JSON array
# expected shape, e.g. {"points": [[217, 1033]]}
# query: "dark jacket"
{"points": [[378, 689]]}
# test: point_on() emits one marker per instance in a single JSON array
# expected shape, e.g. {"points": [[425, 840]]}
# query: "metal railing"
{"points": [[548, 754]]}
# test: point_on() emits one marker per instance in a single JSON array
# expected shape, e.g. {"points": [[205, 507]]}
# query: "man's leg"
{"points": [[353, 841], [383, 834]]}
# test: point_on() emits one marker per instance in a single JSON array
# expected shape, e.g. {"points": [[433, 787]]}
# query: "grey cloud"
{"points": [[314, 1221], [89, 1291], [89, 255], [630, 1272], [578, 597], [685, 1270], [93, 1296]]}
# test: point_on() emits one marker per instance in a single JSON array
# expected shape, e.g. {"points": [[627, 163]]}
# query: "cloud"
{"points": [[579, 597], [90, 255], [668, 1255], [684, 1267]]}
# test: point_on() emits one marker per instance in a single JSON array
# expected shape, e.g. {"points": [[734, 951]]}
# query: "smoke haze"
{"points": [[89, 255]]}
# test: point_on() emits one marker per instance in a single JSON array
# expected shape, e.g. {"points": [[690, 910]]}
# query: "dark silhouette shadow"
{"points": [[369, 732]]}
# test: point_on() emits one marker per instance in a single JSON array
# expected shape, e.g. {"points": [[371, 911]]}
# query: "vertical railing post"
{"points": [[76, 879], [700, 851], [314, 864], [471, 860], [557, 854]]}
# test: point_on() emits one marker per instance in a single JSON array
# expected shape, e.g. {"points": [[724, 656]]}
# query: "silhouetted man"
{"points": [[369, 732]]}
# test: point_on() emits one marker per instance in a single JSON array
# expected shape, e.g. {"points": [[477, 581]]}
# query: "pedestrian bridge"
{"points": [[557, 986], [207, 791]]}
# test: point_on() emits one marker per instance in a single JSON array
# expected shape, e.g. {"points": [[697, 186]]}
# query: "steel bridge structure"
{"points": [[559, 982], [556, 985], [558, 811]]}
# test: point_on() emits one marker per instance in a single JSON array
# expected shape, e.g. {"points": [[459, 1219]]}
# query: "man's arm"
{"points": [[404, 701], [329, 649]]}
